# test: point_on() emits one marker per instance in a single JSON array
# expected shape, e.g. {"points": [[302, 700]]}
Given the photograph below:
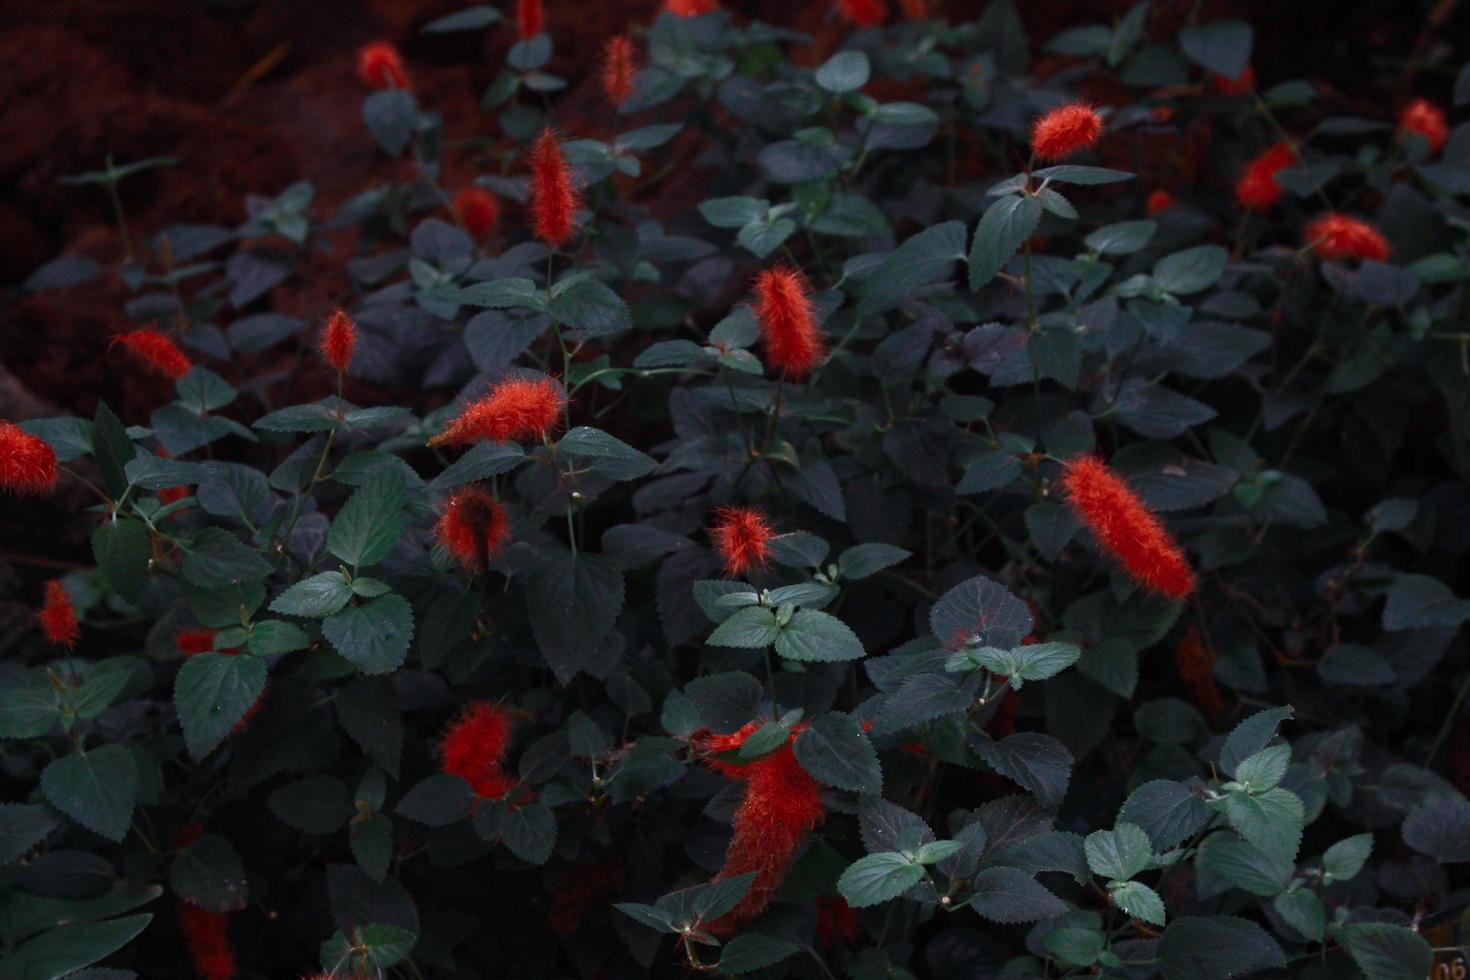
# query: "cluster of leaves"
{"points": [[1018, 776]]}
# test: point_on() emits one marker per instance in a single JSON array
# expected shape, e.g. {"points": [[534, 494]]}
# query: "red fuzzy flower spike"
{"points": [[1427, 119], [379, 65], [586, 884], [1196, 663], [192, 642], [473, 527], [1337, 236], [207, 940], [1158, 201], [915, 9], [478, 211], [1239, 85], [157, 350], [58, 616], [619, 62], [516, 408], [1256, 188], [691, 8], [338, 341], [862, 13], [554, 200], [1065, 130], [27, 462], [1126, 528], [474, 748], [742, 538], [838, 924], [788, 324], [529, 18]]}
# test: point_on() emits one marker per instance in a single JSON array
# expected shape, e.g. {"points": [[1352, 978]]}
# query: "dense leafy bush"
{"points": [[930, 550]]}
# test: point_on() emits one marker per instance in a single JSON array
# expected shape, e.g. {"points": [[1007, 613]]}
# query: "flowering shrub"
{"points": [[940, 546]]}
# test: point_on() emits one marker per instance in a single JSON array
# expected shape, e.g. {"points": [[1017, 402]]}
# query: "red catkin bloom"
{"points": [[529, 18], [379, 65], [27, 462], [478, 210], [516, 408], [473, 527], [474, 747], [1159, 200], [207, 940], [194, 641], [862, 13], [1196, 663], [1126, 528], [586, 884], [619, 62], [838, 923], [157, 350], [338, 341], [1239, 85], [1256, 188], [788, 323], [1427, 119], [554, 200], [1337, 236], [1065, 130], [742, 538], [691, 8], [58, 616], [914, 9]]}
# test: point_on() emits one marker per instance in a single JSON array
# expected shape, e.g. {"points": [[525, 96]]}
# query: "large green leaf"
{"points": [[373, 636], [1003, 228], [97, 789], [212, 692], [369, 524]]}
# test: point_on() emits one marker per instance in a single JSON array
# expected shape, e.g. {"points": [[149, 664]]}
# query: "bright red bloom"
{"points": [[473, 527], [474, 747], [516, 408], [1427, 119], [554, 201], [1256, 188], [157, 350], [1126, 528], [1159, 200], [477, 209], [691, 8], [27, 462], [199, 639], [788, 323], [862, 13], [1239, 85], [838, 923], [1065, 130], [619, 62], [207, 940], [58, 616], [379, 65], [1161, 113], [742, 538], [338, 341], [1196, 663], [586, 884], [529, 18], [914, 9], [1337, 236]]}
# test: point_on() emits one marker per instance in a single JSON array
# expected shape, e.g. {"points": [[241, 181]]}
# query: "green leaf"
{"points": [[590, 307], [1251, 736], [1139, 901], [216, 559], [1346, 858], [97, 789], [373, 636], [1440, 826], [1384, 951], [212, 692], [207, 871], [837, 753], [121, 547], [573, 601], [1167, 811], [919, 699], [484, 459], [370, 523], [1119, 853], [437, 801], [1264, 769], [703, 903], [497, 294], [318, 596], [609, 456], [923, 258], [1035, 761], [1303, 911], [68, 948], [1123, 238], [1075, 946], [391, 116], [980, 612], [752, 951], [1038, 661], [29, 705], [1192, 270], [317, 805], [1222, 46], [845, 71], [271, 636], [469, 19], [1216, 947], [1071, 173], [1419, 601], [1010, 895], [22, 827], [863, 560], [751, 628], [878, 878], [1003, 228], [817, 636], [734, 212], [1272, 821]]}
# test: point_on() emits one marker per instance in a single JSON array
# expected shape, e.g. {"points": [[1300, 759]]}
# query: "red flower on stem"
{"points": [[338, 341], [474, 748], [530, 20], [554, 201], [915, 9], [207, 941], [516, 408], [788, 323], [862, 13], [478, 211], [1337, 236], [379, 65], [691, 8], [1239, 85], [838, 923], [742, 538], [27, 462], [1427, 119], [157, 350], [619, 62], [1125, 527], [58, 616], [1065, 130], [1256, 188], [1196, 663], [1158, 201], [473, 527]]}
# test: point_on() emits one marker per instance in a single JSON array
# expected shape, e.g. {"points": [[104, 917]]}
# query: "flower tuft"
{"points": [[742, 538], [1337, 236], [530, 19], [473, 527], [379, 65], [691, 8], [1065, 130], [1196, 663], [788, 323], [1427, 120], [194, 641], [207, 941], [157, 350], [554, 201], [27, 462], [1158, 201], [1241, 84], [477, 210], [338, 341], [586, 884], [474, 746], [862, 13], [838, 924], [1256, 188], [1126, 528], [58, 616], [619, 62], [915, 9], [516, 408]]}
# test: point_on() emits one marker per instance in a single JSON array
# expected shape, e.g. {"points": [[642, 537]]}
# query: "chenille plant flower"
{"points": [[1125, 527], [1066, 130], [157, 350]]}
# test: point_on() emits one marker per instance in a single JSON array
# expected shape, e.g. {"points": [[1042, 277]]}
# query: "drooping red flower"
{"points": [[1256, 188], [554, 201], [1065, 130], [474, 747], [379, 65], [477, 209], [586, 884], [1196, 663], [58, 616], [862, 13], [838, 923], [1239, 85], [742, 538], [207, 941], [530, 19], [1337, 236], [1158, 200], [27, 462], [1126, 528], [619, 62], [691, 8], [473, 527], [1427, 119], [516, 408], [157, 350], [195, 640], [338, 341], [788, 323], [915, 9]]}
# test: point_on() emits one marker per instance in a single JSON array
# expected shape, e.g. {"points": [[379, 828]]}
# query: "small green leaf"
{"points": [[370, 523], [878, 877], [1003, 228], [373, 636], [817, 636]]}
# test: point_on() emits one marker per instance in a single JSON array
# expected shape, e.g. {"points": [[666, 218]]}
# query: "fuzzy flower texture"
{"points": [[1125, 527], [787, 321], [473, 527], [1426, 119], [478, 211], [379, 65], [338, 341], [1065, 130], [157, 350], [691, 8], [554, 200], [1338, 236], [58, 616], [207, 940], [619, 63], [474, 748], [27, 462], [516, 408], [1256, 188], [530, 18], [742, 538]]}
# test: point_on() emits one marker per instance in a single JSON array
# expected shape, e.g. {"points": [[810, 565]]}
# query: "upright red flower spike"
{"points": [[1337, 236], [1196, 663], [58, 616], [838, 924], [1239, 85], [619, 62], [1065, 130], [1158, 200], [554, 201], [1126, 528], [788, 323], [27, 462], [478, 210], [691, 8], [1427, 119], [1256, 188], [207, 941], [379, 65], [474, 747], [338, 341], [473, 527], [530, 19], [157, 350], [742, 538], [515, 408], [862, 13]]}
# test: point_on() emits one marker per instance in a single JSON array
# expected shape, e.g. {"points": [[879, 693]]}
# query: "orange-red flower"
{"points": [[379, 65], [529, 18], [1427, 119], [207, 940], [478, 211], [1065, 130], [58, 616], [516, 408], [554, 201], [1126, 528], [691, 8], [27, 462], [742, 538], [862, 13], [619, 62], [1256, 188], [1337, 236], [788, 324], [157, 350], [473, 527], [915, 9], [1239, 85], [474, 747], [1159, 200], [338, 341], [1196, 663], [838, 923], [195, 640]]}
